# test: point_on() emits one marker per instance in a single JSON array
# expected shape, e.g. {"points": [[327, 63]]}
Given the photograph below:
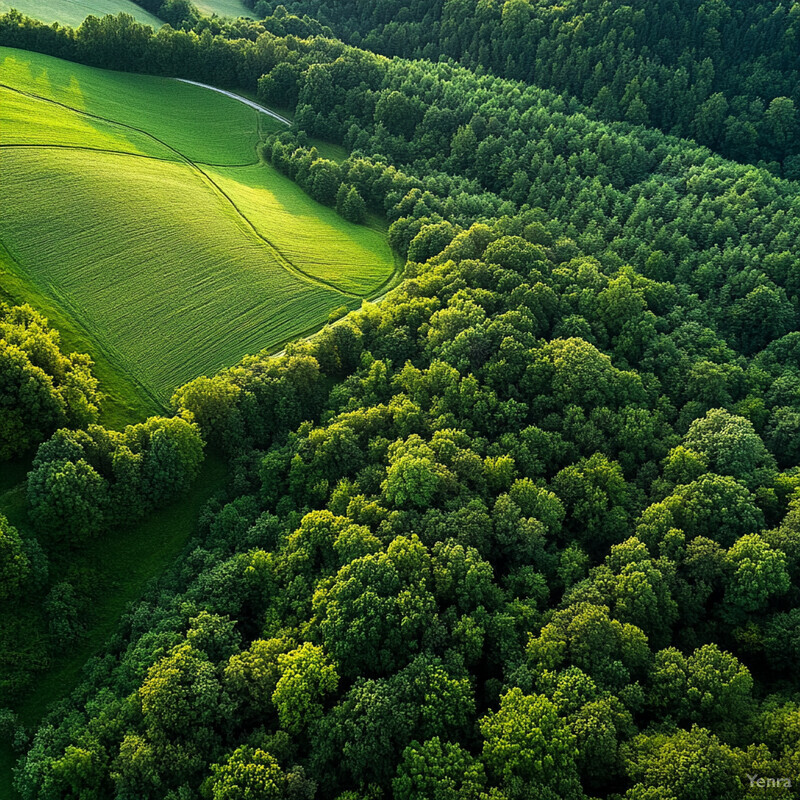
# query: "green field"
{"points": [[137, 206], [224, 8], [73, 12]]}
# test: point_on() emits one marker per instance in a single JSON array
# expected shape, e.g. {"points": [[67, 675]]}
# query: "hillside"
{"points": [[197, 264], [527, 526], [724, 73], [224, 8], [73, 12]]}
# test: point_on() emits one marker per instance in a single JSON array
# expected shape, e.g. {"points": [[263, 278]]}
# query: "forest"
{"points": [[525, 528]]}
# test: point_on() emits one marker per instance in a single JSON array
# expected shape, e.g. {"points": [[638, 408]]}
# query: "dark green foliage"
{"points": [[722, 73], [41, 388], [14, 561], [85, 481]]}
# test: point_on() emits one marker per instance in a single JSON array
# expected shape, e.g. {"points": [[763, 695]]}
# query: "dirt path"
{"points": [[241, 99]]}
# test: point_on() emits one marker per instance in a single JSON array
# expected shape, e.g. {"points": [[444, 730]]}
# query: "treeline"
{"points": [[320, 177], [222, 52], [724, 73], [726, 232], [84, 482], [177, 13], [673, 211]]}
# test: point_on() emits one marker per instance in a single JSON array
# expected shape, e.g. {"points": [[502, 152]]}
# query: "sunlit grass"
{"points": [[73, 12], [114, 213]]}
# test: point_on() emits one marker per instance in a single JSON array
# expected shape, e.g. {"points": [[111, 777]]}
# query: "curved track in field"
{"points": [[241, 99], [246, 223]]}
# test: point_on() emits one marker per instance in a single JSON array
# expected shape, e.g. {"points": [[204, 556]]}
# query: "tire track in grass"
{"points": [[288, 265], [120, 153], [241, 99]]}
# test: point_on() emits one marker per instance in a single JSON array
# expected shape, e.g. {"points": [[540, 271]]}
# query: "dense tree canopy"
{"points": [[723, 72], [530, 526], [83, 481]]}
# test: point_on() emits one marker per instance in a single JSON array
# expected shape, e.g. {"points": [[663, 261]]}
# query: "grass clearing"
{"points": [[202, 125], [118, 567], [225, 8], [122, 564], [125, 402], [30, 121], [136, 207], [177, 287], [73, 12], [305, 232]]}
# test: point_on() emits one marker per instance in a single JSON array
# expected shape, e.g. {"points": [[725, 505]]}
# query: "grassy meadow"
{"points": [[200, 124], [305, 232], [224, 8], [137, 206], [73, 12]]}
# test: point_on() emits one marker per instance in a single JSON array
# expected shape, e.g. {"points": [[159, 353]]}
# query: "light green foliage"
{"points": [[372, 615], [306, 677], [248, 774], [180, 694], [596, 498], [436, 770], [714, 506], [759, 573], [41, 388], [710, 686], [683, 465], [573, 371], [584, 635], [689, 765], [253, 674], [68, 498], [84, 481], [461, 577], [529, 748], [599, 726], [414, 477], [639, 588]]}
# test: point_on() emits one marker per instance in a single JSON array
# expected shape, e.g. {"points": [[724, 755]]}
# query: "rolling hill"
{"points": [[225, 8], [138, 205], [73, 12]]}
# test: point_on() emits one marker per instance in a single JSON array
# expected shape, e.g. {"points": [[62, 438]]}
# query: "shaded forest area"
{"points": [[723, 72]]}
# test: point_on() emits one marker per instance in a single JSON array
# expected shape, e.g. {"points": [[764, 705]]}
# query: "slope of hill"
{"points": [[175, 267], [724, 72], [73, 12], [528, 528], [225, 8]]}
